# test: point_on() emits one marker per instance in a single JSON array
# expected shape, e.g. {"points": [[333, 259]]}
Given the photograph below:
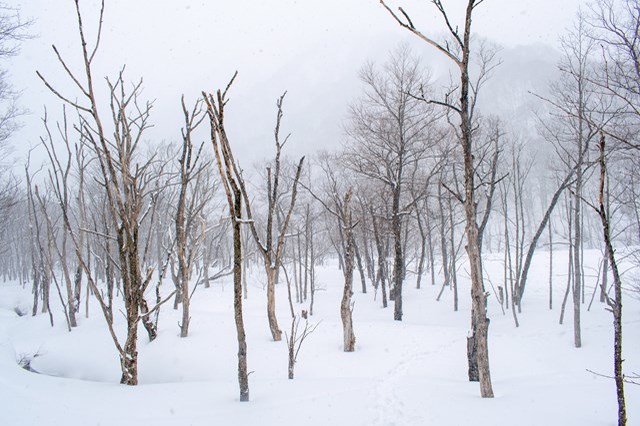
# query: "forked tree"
{"points": [[339, 207], [230, 177], [123, 178], [271, 247], [188, 208]]}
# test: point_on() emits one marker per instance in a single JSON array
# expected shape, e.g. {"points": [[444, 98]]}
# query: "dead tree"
{"points": [[230, 177], [459, 53], [271, 248], [60, 186], [190, 168], [296, 338], [346, 306], [123, 179], [614, 304]]}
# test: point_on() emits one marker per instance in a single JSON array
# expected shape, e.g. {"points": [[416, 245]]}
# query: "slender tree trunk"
{"points": [[454, 274], [443, 241], [345, 305], [480, 322], [432, 259], [307, 237], [615, 305], [276, 333], [36, 294], [363, 281], [570, 269], [77, 288], [380, 276], [550, 267], [398, 259], [296, 281], [228, 175], [534, 241], [423, 250], [577, 268], [605, 263], [243, 374], [312, 268], [292, 349]]}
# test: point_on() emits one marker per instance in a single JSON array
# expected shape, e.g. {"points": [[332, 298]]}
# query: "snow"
{"points": [[412, 372]]}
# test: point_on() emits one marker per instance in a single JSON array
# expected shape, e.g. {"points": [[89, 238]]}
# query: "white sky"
{"points": [[312, 48]]}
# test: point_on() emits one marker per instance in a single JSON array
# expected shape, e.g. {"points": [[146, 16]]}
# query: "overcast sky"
{"points": [[312, 48]]}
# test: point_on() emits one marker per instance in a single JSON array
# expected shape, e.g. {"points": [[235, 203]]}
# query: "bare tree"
{"points": [[346, 306], [296, 338], [459, 52], [60, 186], [190, 169], [614, 304], [231, 181], [339, 207], [123, 178], [389, 136], [577, 112], [13, 30], [613, 25], [271, 248]]}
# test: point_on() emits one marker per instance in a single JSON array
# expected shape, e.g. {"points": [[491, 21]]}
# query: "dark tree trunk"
{"points": [[243, 375], [615, 305]]}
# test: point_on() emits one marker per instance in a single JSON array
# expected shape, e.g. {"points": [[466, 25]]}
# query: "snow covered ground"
{"points": [[412, 372]]}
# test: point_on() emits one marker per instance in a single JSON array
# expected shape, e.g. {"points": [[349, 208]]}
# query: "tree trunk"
{"points": [[550, 267], [454, 255], [615, 305], [423, 250], [129, 358], [380, 276], [307, 237], [398, 259], [360, 267], [345, 305], [577, 269], [292, 349], [480, 322], [312, 268], [443, 241], [243, 375], [570, 274], [276, 333], [77, 288]]}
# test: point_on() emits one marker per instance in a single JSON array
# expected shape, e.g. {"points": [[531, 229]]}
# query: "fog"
{"points": [[312, 49]]}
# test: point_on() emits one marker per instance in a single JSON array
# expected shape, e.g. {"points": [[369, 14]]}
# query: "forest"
{"points": [[448, 261]]}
